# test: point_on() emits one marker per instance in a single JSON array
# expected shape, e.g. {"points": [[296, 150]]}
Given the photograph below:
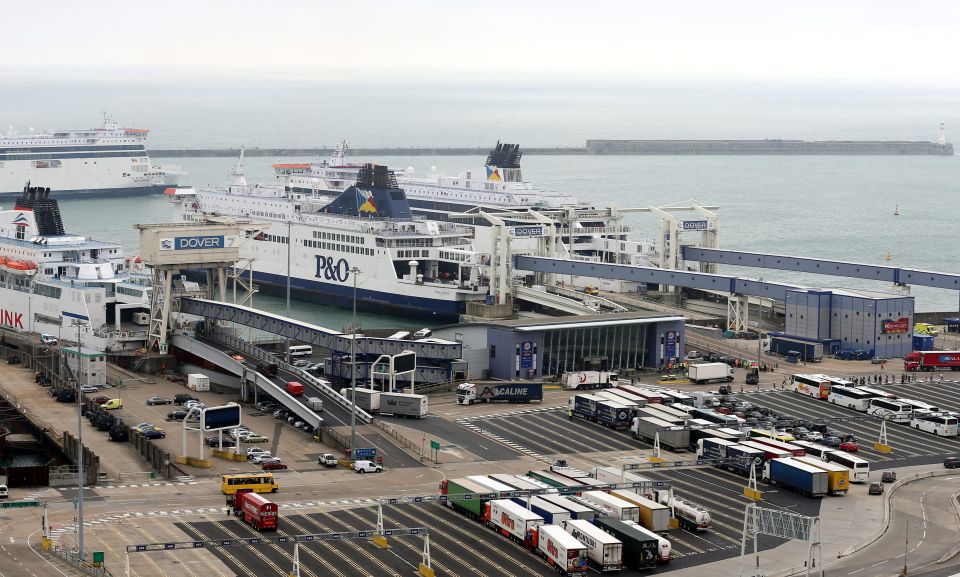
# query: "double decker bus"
{"points": [[851, 398], [256, 482], [816, 386], [943, 425], [894, 410], [859, 468]]}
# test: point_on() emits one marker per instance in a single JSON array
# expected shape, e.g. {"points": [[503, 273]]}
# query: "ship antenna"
{"points": [[239, 178], [340, 154]]}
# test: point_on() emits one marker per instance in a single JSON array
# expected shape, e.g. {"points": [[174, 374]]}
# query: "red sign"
{"points": [[901, 325], [11, 319]]}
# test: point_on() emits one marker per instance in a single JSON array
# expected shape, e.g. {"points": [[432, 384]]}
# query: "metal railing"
{"points": [[77, 563]]}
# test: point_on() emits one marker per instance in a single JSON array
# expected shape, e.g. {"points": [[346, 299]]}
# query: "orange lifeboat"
{"points": [[21, 265]]}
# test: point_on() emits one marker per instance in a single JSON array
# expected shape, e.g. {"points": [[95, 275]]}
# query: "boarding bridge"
{"points": [[553, 301], [883, 273], [227, 362]]}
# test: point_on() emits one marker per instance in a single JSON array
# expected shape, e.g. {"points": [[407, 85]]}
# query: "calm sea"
{"points": [[839, 207]]}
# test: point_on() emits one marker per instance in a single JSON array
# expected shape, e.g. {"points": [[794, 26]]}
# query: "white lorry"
{"points": [[604, 550], [706, 372], [562, 550], [403, 405], [588, 380], [315, 404], [513, 520]]}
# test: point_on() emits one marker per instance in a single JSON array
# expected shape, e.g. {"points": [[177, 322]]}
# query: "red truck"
{"points": [[256, 510], [295, 388], [931, 360]]}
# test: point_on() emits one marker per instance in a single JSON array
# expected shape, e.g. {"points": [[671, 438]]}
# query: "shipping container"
{"points": [[641, 549], [604, 551], [650, 514], [198, 382]]}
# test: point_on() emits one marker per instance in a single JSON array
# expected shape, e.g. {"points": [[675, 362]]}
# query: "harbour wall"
{"points": [[770, 147]]}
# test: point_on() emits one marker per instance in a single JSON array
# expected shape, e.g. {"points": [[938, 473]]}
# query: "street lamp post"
{"points": [[353, 367], [80, 474]]}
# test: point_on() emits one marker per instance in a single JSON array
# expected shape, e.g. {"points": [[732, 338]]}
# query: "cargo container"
{"points": [[768, 451], [584, 406], [255, 510], [800, 477], [403, 405], [641, 548], [469, 393], [713, 448], [561, 550], [649, 395], [315, 404], [552, 514], [838, 476], [618, 507], [922, 342], [664, 547], [650, 514], [512, 520], [576, 510], [614, 414], [740, 458], [672, 436], [471, 507], [931, 360], [604, 551], [809, 351], [588, 380], [367, 399], [706, 372], [295, 389], [198, 382]]}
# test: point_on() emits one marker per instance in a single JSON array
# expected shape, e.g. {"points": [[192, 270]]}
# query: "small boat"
{"points": [[896, 210], [888, 257]]}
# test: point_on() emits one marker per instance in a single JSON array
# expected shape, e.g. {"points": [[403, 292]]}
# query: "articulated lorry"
{"points": [[561, 550], [931, 361], [469, 393], [650, 514], [367, 399], [614, 414], [588, 380], [512, 520], [672, 437], [800, 477], [809, 351], [706, 372], [604, 551], [641, 549]]}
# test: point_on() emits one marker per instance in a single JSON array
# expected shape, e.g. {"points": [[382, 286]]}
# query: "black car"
{"points": [[888, 477], [876, 489], [182, 398], [214, 441], [951, 462], [153, 434], [176, 416]]}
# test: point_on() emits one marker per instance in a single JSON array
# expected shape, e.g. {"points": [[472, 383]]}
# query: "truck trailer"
{"points": [[931, 361], [741, 458], [614, 414], [561, 550], [552, 514], [672, 437], [619, 507], [838, 476], [472, 507], [800, 477], [512, 520], [403, 405], [469, 393], [650, 514], [642, 549], [198, 382], [367, 399], [604, 551], [809, 351], [713, 448], [576, 510], [706, 372]]}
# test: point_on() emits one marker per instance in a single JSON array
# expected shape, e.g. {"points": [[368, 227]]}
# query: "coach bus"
{"points": [[942, 425], [859, 468], [256, 482], [815, 449], [816, 386], [894, 410], [919, 407], [878, 393], [851, 398]]}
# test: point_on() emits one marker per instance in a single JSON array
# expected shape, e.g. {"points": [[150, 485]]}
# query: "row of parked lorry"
{"points": [[607, 520]]}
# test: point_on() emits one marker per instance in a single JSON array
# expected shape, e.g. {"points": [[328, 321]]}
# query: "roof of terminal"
{"points": [[581, 321]]}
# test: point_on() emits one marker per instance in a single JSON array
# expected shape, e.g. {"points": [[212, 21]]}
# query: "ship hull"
{"points": [[124, 191]]}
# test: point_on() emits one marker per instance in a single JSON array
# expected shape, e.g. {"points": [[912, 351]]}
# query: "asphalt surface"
{"points": [[923, 527], [459, 436]]}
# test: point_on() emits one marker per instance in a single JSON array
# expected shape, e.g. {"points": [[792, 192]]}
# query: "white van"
{"points": [[46, 339], [301, 351], [3, 492]]}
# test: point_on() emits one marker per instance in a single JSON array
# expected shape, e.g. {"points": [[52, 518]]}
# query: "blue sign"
{"points": [[216, 418], [364, 453], [671, 345], [196, 242], [695, 225], [526, 355]]}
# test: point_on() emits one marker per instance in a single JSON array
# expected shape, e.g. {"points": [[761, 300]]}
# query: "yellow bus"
{"points": [[256, 482]]}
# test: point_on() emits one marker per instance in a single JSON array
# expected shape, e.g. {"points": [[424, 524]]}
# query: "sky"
{"points": [[877, 42]]}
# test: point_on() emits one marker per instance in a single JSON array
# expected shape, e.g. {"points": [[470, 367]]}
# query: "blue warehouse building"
{"points": [[849, 320], [534, 348]]}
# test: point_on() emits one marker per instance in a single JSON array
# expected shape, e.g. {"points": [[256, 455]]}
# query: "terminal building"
{"points": [[534, 348]]}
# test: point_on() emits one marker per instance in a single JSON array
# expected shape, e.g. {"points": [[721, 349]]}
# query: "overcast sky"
{"points": [[888, 42]]}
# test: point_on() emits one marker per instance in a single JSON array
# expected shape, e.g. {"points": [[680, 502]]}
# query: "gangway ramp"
{"points": [[554, 301], [220, 358]]}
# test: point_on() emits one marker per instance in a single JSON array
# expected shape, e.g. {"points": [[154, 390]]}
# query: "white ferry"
{"points": [[50, 279], [365, 236], [105, 161]]}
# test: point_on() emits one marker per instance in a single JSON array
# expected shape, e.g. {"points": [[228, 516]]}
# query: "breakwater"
{"points": [[772, 147]]}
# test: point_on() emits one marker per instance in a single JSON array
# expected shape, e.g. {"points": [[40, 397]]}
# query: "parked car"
{"points": [[153, 434], [260, 458], [89, 389], [366, 467], [849, 446], [101, 399], [302, 363], [831, 441], [273, 465], [182, 398], [814, 436], [158, 400], [876, 488], [877, 360], [888, 477], [327, 460], [254, 438], [254, 451], [214, 441], [951, 462]]}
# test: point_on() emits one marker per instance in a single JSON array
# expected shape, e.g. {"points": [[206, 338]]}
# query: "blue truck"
{"points": [[469, 393], [713, 448], [800, 477], [741, 458], [809, 351], [613, 414], [585, 406]]}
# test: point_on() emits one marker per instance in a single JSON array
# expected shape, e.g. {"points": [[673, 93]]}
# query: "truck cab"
{"points": [[466, 393]]}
